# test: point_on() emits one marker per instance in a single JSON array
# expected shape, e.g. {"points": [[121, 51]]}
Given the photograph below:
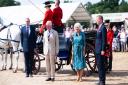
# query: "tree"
{"points": [[8, 3], [107, 6], [51, 1], [123, 6], [67, 1]]}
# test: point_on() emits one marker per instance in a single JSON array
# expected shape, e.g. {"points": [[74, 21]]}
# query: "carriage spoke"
{"points": [[91, 57], [93, 61]]}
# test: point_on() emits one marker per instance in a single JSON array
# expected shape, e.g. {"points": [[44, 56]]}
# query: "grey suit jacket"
{"points": [[51, 46]]}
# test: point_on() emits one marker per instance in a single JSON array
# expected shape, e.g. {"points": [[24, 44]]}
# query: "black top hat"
{"points": [[47, 4], [107, 21]]}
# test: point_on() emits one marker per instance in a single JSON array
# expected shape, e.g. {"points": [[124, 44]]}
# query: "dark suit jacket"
{"points": [[101, 39], [28, 42]]}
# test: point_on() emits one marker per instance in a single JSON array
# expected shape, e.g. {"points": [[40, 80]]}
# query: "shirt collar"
{"points": [[50, 30], [27, 26]]}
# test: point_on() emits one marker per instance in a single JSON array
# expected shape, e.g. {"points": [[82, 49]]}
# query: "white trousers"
{"points": [[50, 65]]}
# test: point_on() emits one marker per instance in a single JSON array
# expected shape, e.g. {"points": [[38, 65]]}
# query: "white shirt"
{"points": [[67, 34], [123, 36]]}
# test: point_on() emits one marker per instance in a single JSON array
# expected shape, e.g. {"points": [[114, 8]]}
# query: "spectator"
{"points": [[122, 36], [127, 38], [67, 34], [116, 42]]}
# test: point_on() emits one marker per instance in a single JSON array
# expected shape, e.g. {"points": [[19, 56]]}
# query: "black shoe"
{"points": [[31, 75], [48, 79], [52, 79], [100, 83], [110, 69], [27, 75]]}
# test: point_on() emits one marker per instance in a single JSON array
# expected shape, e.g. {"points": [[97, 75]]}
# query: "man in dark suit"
{"points": [[100, 47], [28, 42]]}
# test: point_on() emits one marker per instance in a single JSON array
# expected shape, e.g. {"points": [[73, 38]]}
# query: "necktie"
{"points": [[48, 35], [27, 31]]}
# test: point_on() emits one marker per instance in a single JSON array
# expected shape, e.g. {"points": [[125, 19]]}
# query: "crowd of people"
{"points": [[107, 39], [120, 41]]}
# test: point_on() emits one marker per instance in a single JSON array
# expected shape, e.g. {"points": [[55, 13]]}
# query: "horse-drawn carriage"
{"points": [[65, 53]]}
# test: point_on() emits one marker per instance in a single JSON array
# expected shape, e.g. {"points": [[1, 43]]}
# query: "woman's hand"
{"points": [[71, 62], [102, 52]]}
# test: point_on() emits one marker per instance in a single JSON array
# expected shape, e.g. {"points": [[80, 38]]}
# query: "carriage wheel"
{"points": [[90, 57], [58, 64], [36, 65]]}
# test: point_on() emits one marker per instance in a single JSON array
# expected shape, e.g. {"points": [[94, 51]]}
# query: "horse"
{"points": [[10, 38]]}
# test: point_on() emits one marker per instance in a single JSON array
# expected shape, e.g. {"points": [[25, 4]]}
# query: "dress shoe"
{"points": [[100, 83], [27, 75], [52, 79], [110, 69], [31, 75], [48, 79]]}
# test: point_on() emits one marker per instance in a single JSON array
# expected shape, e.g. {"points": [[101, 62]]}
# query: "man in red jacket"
{"points": [[57, 16], [110, 35], [48, 15]]}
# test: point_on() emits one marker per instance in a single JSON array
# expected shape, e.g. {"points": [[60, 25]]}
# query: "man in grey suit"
{"points": [[51, 49]]}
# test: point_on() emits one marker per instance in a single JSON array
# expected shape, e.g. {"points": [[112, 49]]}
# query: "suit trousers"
{"points": [[50, 65], [100, 60], [28, 62]]}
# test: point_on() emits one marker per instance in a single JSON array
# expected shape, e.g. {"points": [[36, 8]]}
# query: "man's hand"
{"points": [[108, 43], [35, 50], [102, 52]]}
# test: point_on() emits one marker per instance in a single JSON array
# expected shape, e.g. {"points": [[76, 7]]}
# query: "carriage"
{"points": [[65, 53]]}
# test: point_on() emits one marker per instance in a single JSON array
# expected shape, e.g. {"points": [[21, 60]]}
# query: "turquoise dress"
{"points": [[78, 47]]}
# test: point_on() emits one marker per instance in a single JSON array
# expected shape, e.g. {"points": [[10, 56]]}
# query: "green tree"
{"points": [[107, 6], [8, 3], [123, 6], [51, 1], [67, 1]]}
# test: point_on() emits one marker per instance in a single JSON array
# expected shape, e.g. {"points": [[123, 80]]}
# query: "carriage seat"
{"points": [[63, 50]]}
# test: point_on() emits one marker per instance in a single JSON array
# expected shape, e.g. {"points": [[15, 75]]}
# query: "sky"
{"points": [[26, 2]]}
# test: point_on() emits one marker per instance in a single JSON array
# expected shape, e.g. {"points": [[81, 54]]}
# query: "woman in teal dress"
{"points": [[78, 59]]}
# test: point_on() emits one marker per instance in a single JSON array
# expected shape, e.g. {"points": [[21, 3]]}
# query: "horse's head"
{"points": [[3, 27], [10, 31], [10, 34]]}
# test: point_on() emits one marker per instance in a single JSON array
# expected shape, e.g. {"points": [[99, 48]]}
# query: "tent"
{"points": [[16, 14]]}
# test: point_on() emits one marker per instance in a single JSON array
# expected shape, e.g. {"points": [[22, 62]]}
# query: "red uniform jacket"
{"points": [[57, 16], [110, 35], [47, 17]]}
